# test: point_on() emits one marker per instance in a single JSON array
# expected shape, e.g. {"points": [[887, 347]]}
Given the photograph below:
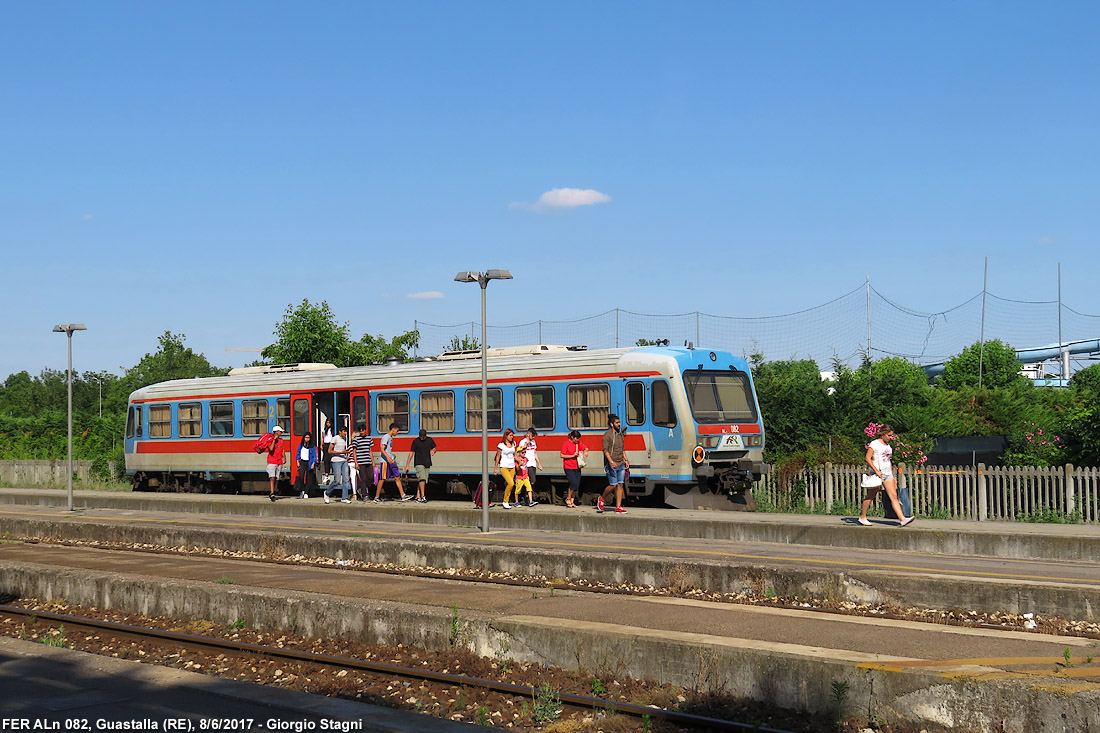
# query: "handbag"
{"points": [[871, 481], [581, 462]]}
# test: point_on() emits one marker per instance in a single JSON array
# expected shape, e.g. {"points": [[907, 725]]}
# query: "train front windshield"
{"points": [[720, 397]]}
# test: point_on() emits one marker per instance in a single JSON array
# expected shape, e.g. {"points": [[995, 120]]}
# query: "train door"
{"points": [[667, 435], [301, 422], [360, 411]]}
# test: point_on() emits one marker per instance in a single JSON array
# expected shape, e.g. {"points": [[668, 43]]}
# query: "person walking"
{"points": [[327, 436], [423, 448], [307, 462], [388, 467], [363, 445], [276, 456], [505, 463], [615, 465], [572, 450], [880, 458], [339, 467], [528, 450]]}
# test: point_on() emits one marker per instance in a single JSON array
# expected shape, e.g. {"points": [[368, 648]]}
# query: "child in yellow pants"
{"points": [[523, 480]]}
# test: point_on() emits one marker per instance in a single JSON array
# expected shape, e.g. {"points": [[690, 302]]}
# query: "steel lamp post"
{"points": [[482, 279], [68, 329]]}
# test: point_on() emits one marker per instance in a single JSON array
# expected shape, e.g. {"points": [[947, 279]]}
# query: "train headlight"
{"points": [[711, 441], [753, 441]]}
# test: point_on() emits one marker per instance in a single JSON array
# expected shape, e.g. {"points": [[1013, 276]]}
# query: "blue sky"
{"points": [[197, 166]]}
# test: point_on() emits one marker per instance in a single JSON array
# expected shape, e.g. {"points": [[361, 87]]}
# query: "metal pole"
{"points": [[616, 328], [981, 337], [1064, 352], [698, 338], [540, 332], [869, 388], [70, 381], [415, 329], [484, 282]]}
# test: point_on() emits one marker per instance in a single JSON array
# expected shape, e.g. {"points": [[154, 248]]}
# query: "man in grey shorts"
{"points": [[423, 448]]}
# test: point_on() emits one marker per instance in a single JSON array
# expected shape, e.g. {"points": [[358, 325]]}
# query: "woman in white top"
{"points": [[880, 458], [505, 462]]}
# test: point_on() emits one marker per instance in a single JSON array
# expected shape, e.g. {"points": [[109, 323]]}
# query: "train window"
{"points": [[221, 419], [282, 413], [160, 421], [301, 418], [589, 405], [437, 411], [254, 417], [138, 414], [664, 414], [132, 420], [635, 403], [493, 409], [719, 397], [189, 419], [358, 412], [534, 408], [393, 408]]}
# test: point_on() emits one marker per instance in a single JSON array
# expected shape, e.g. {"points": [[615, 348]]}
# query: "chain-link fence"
{"points": [[858, 322]]}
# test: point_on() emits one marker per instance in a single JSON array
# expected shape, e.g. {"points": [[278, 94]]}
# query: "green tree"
{"points": [[465, 343], [1087, 381], [311, 333], [172, 360], [999, 367], [795, 404]]}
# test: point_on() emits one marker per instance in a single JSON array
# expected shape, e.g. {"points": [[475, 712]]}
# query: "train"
{"points": [[693, 433]]}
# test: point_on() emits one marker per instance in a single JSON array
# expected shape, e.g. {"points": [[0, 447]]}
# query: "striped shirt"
{"points": [[363, 447]]}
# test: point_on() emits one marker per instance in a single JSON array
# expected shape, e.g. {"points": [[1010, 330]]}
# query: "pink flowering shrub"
{"points": [[1034, 446]]}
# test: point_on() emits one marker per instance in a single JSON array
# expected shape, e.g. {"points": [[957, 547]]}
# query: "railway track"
{"points": [[544, 583], [207, 644]]}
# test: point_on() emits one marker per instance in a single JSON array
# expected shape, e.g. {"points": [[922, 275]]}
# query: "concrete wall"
{"points": [[41, 473]]}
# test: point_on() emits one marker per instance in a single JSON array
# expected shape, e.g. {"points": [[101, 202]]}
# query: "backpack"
{"points": [[263, 443]]}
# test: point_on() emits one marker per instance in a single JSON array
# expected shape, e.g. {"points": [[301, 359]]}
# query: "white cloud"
{"points": [[426, 295], [1045, 240], [89, 217], [564, 198]]}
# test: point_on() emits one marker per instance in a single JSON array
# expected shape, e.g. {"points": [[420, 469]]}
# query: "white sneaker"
{"points": [[906, 521], [345, 501], [864, 522], [506, 505], [407, 497], [326, 499]]}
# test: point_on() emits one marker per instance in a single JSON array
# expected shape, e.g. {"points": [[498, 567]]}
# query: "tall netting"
{"points": [[844, 328]]}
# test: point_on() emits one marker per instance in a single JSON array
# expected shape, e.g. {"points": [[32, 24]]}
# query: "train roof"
{"points": [[533, 365]]}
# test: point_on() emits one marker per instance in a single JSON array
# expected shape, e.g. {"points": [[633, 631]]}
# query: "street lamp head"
{"points": [[467, 277], [69, 328], [498, 274]]}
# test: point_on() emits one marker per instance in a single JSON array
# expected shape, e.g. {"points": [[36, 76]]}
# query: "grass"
{"points": [[89, 485], [1050, 515], [546, 705]]}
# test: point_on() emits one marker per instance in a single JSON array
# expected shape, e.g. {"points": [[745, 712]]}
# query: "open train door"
{"points": [[301, 413]]}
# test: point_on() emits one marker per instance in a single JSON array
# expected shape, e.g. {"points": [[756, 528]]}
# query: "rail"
{"points": [[194, 641]]}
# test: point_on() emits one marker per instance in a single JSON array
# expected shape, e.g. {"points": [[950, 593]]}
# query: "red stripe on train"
{"points": [[548, 443], [727, 429]]}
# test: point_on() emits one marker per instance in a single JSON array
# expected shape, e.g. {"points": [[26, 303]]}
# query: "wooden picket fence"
{"points": [[1000, 493]]}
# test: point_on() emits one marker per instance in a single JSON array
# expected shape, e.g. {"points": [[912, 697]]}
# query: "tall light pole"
{"points": [[483, 278], [68, 330]]}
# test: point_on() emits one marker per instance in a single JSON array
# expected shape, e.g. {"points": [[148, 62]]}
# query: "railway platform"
{"points": [[907, 671]]}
